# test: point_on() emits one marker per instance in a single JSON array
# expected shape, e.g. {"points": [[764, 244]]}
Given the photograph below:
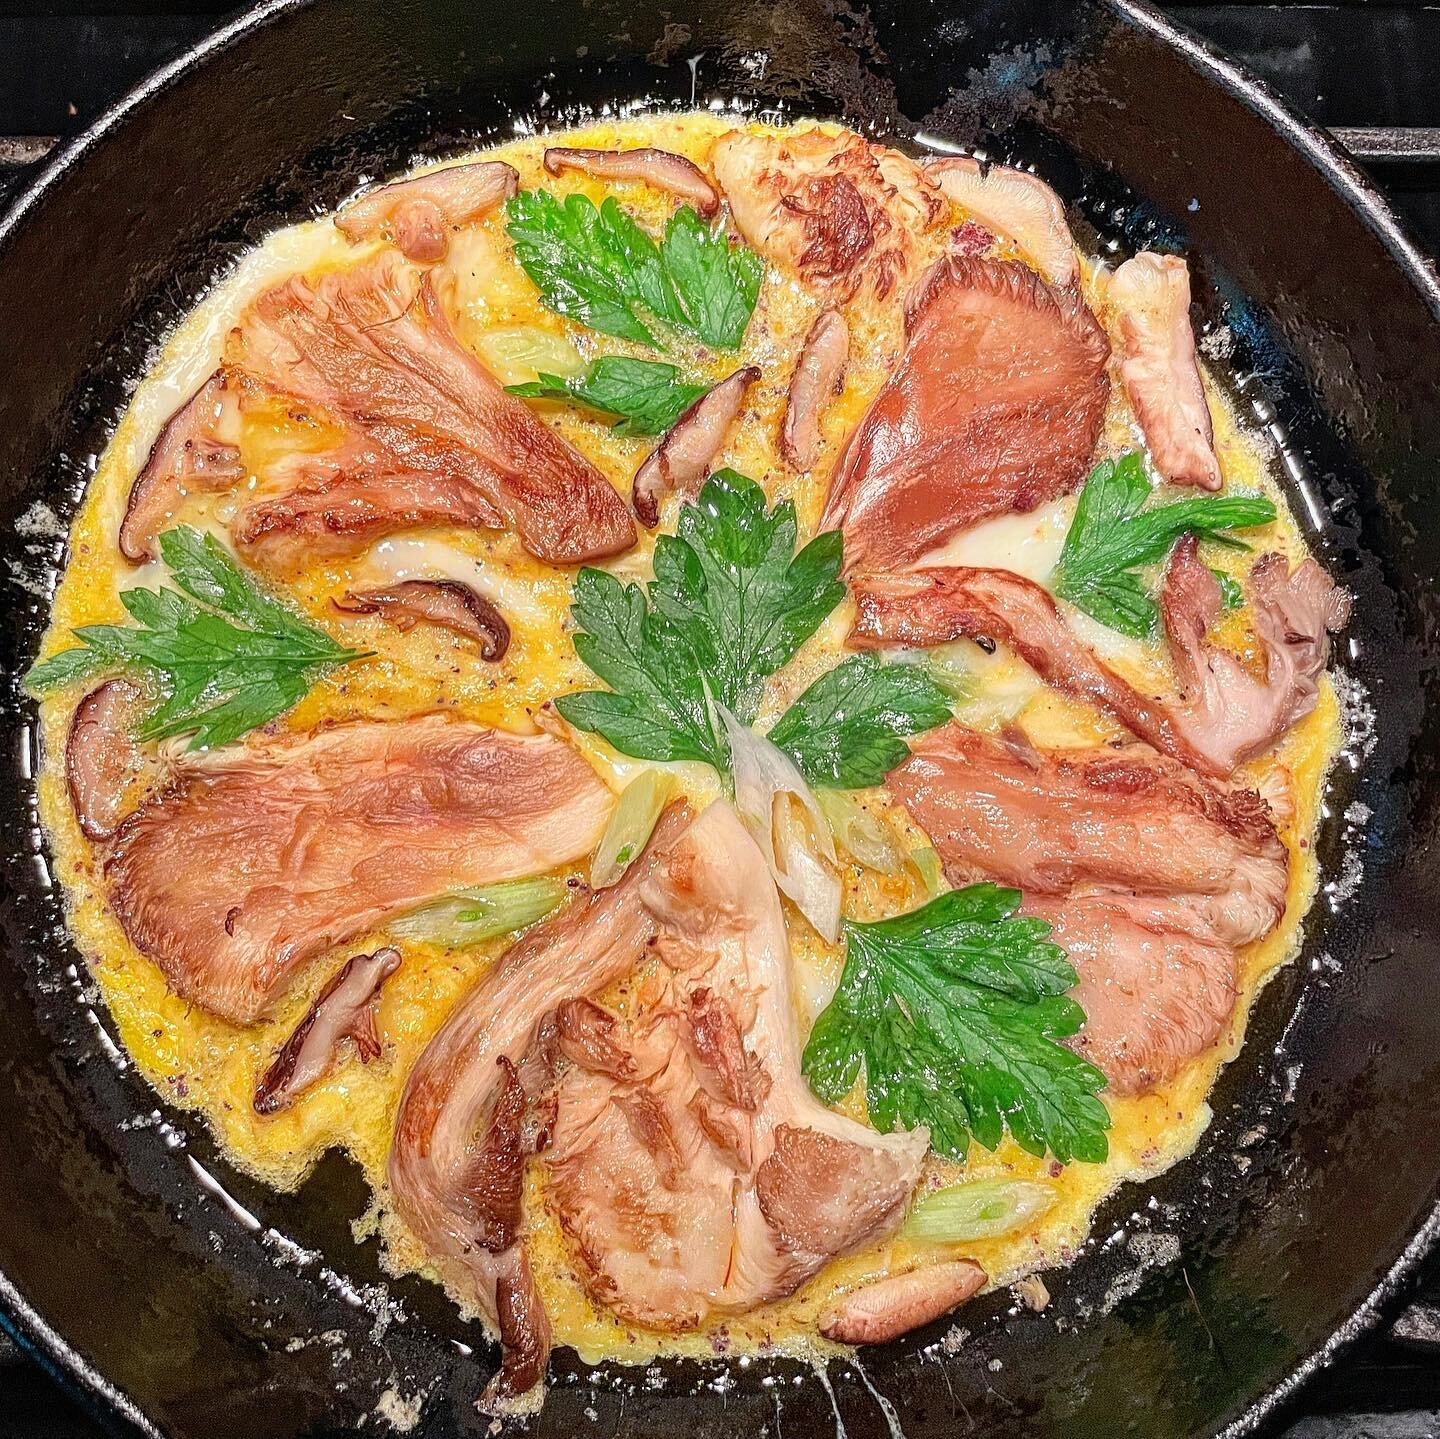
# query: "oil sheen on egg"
{"points": [[208, 1066]]}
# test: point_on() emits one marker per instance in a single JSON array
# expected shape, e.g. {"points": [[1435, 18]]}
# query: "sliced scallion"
{"points": [[864, 834], [636, 812], [977, 1209], [471, 916]]}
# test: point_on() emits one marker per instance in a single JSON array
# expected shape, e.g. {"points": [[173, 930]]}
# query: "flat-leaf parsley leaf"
{"points": [[1111, 536], [223, 655], [845, 731], [731, 582], [645, 396], [954, 1011], [597, 266], [730, 603]]}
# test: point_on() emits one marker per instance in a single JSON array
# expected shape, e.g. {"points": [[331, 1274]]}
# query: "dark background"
{"points": [[1369, 71]]}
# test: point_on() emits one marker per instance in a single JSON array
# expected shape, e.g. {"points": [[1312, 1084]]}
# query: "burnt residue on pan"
{"points": [[186, 1299]]}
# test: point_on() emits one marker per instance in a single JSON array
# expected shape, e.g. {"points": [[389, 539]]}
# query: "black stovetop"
{"points": [[1369, 71]]}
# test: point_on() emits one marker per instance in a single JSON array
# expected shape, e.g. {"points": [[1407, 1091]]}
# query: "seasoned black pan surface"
{"points": [[186, 1300]]}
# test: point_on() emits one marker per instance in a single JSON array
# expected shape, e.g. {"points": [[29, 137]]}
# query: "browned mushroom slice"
{"points": [[101, 758], [1224, 714], [1230, 713], [994, 408], [192, 452], [660, 168], [260, 857], [819, 376], [460, 1097], [1156, 982], [681, 461], [1017, 205], [429, 434], [344, 1009], [1150, 304], [845, 215], [876, 1313], [420, 213], [448, 603], [1128, 820], [709, 1135]]}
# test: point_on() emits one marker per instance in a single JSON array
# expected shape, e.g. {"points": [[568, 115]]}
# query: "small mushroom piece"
{"points": [[1033, 1293], [101, 758], [194, 451], [681, 461], [1018, 206], [345, 1009], [879, 1312], [1150, 315], [586, 1034], [420, 213], [448, 603], [819, 375], [660, 168]]}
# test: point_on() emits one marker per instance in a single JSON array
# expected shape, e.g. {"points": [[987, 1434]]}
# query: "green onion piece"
{"points": [[951, 668], [867, 836], [628, 832], [928, 867], [977, 1209], [987, 690], [516, 354], [471, 916]]}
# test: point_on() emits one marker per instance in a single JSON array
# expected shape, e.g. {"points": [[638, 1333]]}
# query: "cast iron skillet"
{"points": [[180, 1306]]}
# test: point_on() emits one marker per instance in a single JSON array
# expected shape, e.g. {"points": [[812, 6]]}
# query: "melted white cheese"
{"points": [[1026, 545]]}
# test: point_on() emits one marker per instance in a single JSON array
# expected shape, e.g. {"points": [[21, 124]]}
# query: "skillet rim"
{"points": [[112, 1406]]}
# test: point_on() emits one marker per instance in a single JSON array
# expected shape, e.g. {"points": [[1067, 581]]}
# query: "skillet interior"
{"points": [[1322, 1163]]}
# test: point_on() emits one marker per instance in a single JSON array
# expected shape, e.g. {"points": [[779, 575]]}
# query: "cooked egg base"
{"points": [[207, 1066]]}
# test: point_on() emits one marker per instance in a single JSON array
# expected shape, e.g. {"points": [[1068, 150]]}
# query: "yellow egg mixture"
{"points": [[204, 1064]]}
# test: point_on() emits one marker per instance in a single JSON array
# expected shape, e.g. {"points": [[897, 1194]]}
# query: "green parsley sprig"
{"points": [[221, 655], [845, 731], [1113, 535], [645, 396], [597, 266], [730, 604], [954, 1011]]}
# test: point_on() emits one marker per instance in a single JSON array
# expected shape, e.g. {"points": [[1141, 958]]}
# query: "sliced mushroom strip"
{"points": [[420, 213], [451, 604], [994, 408], [876, 1313], [682, 460], [1018, 206], [428, 434], [447, 1166], [818, 377], [263, 856], [195, 451], [1150, 310], [665, 171], [1223, 715], [344, 1009], [101, 757]]}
